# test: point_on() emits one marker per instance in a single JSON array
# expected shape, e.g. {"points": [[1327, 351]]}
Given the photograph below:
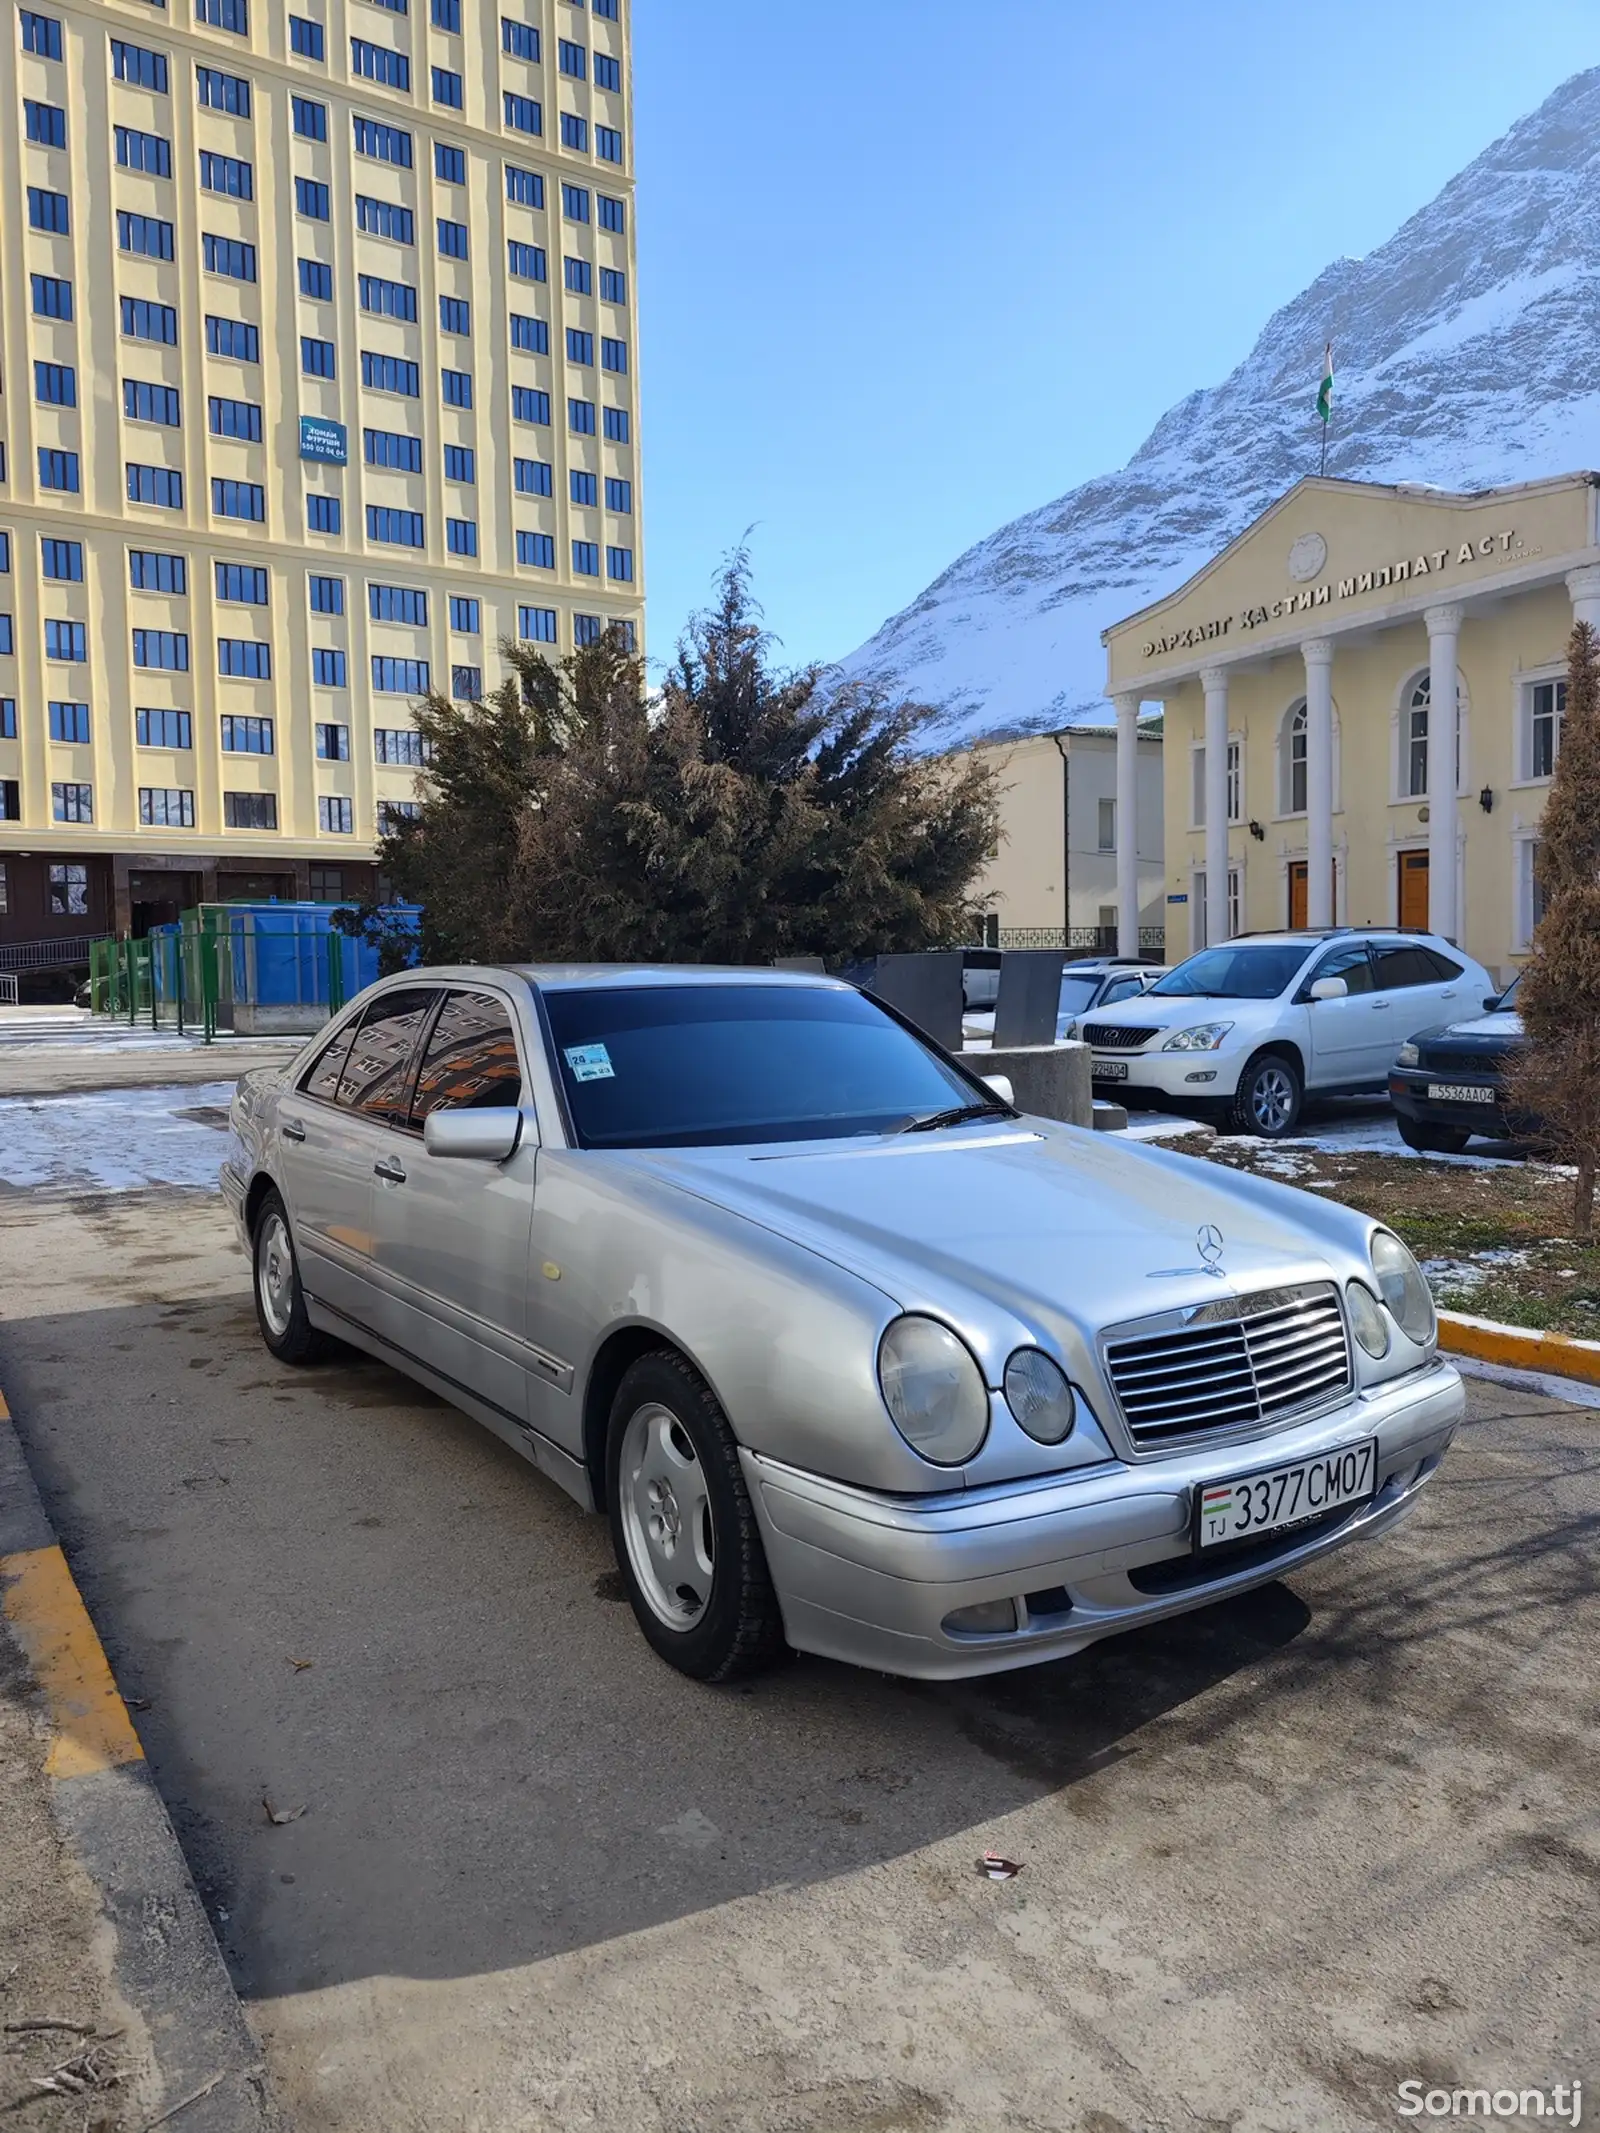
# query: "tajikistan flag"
{"points": [[1325, 390]]}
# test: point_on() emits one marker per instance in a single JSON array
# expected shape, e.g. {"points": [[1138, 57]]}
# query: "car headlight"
{"points": [[1403, 1289], [1204, 1037], [933, 1389], [1408, 1055], [1038, 1394], [1367, 1322]]}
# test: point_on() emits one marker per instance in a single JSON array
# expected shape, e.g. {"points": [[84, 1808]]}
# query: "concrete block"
{"points": [[1047, 1080], [1109, 1118]]}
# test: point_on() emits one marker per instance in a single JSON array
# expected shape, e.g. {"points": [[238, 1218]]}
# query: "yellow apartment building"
{"points": [[319, 367], [1308, 780]]}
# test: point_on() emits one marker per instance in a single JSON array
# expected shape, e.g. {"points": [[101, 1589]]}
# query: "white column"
{"points": [[1318, 655], [1444, 629], [1214, 680], [1127, 825], [1584, 586]]}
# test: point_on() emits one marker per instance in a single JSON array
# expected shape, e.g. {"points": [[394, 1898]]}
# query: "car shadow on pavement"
{"points": [[348, 1606]]}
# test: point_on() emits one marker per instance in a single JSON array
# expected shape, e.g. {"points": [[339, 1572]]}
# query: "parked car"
{"points": [[701, 1245], [1449, 1083], [1251, 1027], [1087, 981]]}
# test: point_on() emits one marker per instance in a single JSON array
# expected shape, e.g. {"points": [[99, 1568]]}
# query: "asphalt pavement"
{"points": [[1278, 1856]]}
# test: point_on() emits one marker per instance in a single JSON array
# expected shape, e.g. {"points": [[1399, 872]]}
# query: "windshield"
{"points": [[1234, 973], [1078, 990], [704, 1066], [1508, 999]]}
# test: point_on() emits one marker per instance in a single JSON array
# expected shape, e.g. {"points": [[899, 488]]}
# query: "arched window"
{"points": [[1292, 761], [1417, 703]]}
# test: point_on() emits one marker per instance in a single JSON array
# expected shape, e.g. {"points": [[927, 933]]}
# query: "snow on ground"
{"points": [[113, 1140], [75, 1028]]}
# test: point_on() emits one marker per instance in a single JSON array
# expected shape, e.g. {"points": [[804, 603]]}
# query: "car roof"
{"points": [[581, 977]]}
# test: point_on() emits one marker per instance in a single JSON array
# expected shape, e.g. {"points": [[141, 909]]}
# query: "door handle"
{"points": [[1381, 1007], [292, 1130], [390, 1171]]}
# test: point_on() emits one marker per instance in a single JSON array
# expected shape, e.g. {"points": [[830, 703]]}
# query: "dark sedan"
{"points": [[1449, 1083]]}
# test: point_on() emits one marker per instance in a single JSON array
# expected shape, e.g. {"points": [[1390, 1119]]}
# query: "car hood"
{"points": [[1151, 1011], [1484, 1034], [1006, 1231]]}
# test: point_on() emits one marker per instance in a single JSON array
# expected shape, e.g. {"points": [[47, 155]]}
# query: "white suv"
{"points": [[1254, 1026]]}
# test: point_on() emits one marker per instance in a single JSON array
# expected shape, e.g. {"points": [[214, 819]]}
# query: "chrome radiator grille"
{"points": [[1113, 1037], [1239, 1360]]}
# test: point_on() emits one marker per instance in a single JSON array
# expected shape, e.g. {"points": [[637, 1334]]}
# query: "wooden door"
{"points": [[1297, 893], [1414, 890]]}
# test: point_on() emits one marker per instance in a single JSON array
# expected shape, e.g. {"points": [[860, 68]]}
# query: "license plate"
{"points": [[1283, 1496], [1459, 1092], [1109, 1070]]}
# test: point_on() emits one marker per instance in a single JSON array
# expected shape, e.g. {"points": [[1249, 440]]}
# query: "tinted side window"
{"points": [[377, 1074], [1400, 967], [1119, 989], [321, 1078], [1351, 964], [1441, 966], [471, 1061]]}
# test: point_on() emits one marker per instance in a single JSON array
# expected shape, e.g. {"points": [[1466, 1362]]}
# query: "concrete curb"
{"points": [[1520, 1347], [167, 1962]]}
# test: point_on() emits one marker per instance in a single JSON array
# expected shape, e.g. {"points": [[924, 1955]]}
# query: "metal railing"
{"points": [[1094, 940], [8, 989], [45, 955]]}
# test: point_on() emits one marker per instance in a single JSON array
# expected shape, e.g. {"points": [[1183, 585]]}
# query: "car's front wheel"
{"points": [[683, 1526], [1431, 1140], [280, 1300], [1268, 1099]]}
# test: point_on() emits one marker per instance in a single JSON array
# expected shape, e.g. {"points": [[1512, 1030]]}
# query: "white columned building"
{"points": [[1214, 681], [1584, 588], [1317, 653], [1443, 625], [1127, 825]]}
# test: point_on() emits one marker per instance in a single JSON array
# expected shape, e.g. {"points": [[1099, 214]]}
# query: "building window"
{"points": [[333, 742], [231, 15], [305, 38], [1235, 782], [246, 736], [580, 346], [455, 315], [69, 723], [245, 583], [41, 35], [572, 59], [402, 530], [48, 211], [529, 404], [452, 238], [466, 614], [325, 595], [70, 803], [62, 640], [234, 418], [619, 495], [160, 486], [134, 63], [1414, 742], [610, 9], [391, 813], [61, 559], [238, 499], [55, 384], [531, 477], [575, 202], [574, 132], [608, 144], [526, 262], [466, 684], [384, 218], [401, 745], [317, 358], [398, 603], [150, 571], [613, 285], [375, 62], [383, 144], [10, 811], [537, 550], [327, 885], [587, 629], [536, 625], [619, 565], [1547, 713], [250, 810], [8, 637], [614, 357], [447, 88], [244, 658], [223, 92], [399, 677], [316, 280], [461, 536], [166, 807], [584, 488], [168, 649], [144, 321], [1292, 761], [69, 885], [612, 214], [460, 463], [163, 729], [522, 113], [324, 514], [449, 164], [311, 199], [586, 558], [390, 374], [229, 257], [607, 72], [58, 470], [226, 174], [52, 297], [46, 126], [580, 417], [531, 335], [619, 425], [519, 39], [328, 667], [524, 187], [456, 387], [392, 448], [234, 337], [149, 152], [145, 236], [1106, 826]]}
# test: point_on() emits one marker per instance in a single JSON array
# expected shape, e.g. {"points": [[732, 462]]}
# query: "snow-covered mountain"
{"points": [[1468, 354]]}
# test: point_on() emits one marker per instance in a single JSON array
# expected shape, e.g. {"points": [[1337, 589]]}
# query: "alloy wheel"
{"points": [[666, 1517], [275, 1274]]}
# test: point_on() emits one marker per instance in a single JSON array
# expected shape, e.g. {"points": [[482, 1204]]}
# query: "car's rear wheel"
{"points": [[683, 1526], [1431, 1140], [1268, 1099], [280, 1300]]}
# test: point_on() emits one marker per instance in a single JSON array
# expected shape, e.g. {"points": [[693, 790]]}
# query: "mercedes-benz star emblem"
{"points": [[1209, 1239]]}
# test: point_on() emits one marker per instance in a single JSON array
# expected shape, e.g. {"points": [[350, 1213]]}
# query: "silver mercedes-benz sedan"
{"points": [[857, 1359]]}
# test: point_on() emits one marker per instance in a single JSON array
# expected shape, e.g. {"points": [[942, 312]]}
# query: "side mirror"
{"points": [[486, 1136], [1001, 1085], [1491, 1004], [1329, 989]]}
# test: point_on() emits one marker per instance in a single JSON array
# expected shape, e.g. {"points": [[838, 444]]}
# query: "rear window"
{"points": [[685, 1066]]}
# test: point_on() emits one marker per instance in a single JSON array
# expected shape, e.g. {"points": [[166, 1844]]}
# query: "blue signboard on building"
{"points": [[328, 441]]}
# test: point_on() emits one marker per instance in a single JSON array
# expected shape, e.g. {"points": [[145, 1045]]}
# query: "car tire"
{"points": [[1268, 1098], [1431, 1140], [683, 1526], [280, 1301]]}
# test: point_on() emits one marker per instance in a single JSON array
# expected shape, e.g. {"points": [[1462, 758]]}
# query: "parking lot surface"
{"points": [[1277, 1856]]}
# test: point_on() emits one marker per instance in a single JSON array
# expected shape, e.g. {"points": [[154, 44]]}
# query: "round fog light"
{"points": [[1366, 1320]]}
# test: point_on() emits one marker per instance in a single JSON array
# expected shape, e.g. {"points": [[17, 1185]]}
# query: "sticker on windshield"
{"points": [[590, 1062]]}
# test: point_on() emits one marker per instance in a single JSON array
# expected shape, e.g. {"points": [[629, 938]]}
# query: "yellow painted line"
{"points": [[90, 1722], [1520, 1347]]}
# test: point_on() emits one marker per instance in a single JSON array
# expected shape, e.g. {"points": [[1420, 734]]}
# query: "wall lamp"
{"points": [[1486, 800], [1258, 833]]}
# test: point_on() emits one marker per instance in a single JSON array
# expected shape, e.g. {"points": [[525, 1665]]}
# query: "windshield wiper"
{"points": [[957, 1115]]}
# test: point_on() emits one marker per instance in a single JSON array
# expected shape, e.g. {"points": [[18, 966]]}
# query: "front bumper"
{"points": [[1408, 1091], [871, 1578]]}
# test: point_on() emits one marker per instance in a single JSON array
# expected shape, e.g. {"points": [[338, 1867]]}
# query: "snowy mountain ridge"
{"points": [[1466, 351]]}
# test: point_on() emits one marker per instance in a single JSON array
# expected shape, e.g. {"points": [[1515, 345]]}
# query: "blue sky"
{"points": [[911, 268]]}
